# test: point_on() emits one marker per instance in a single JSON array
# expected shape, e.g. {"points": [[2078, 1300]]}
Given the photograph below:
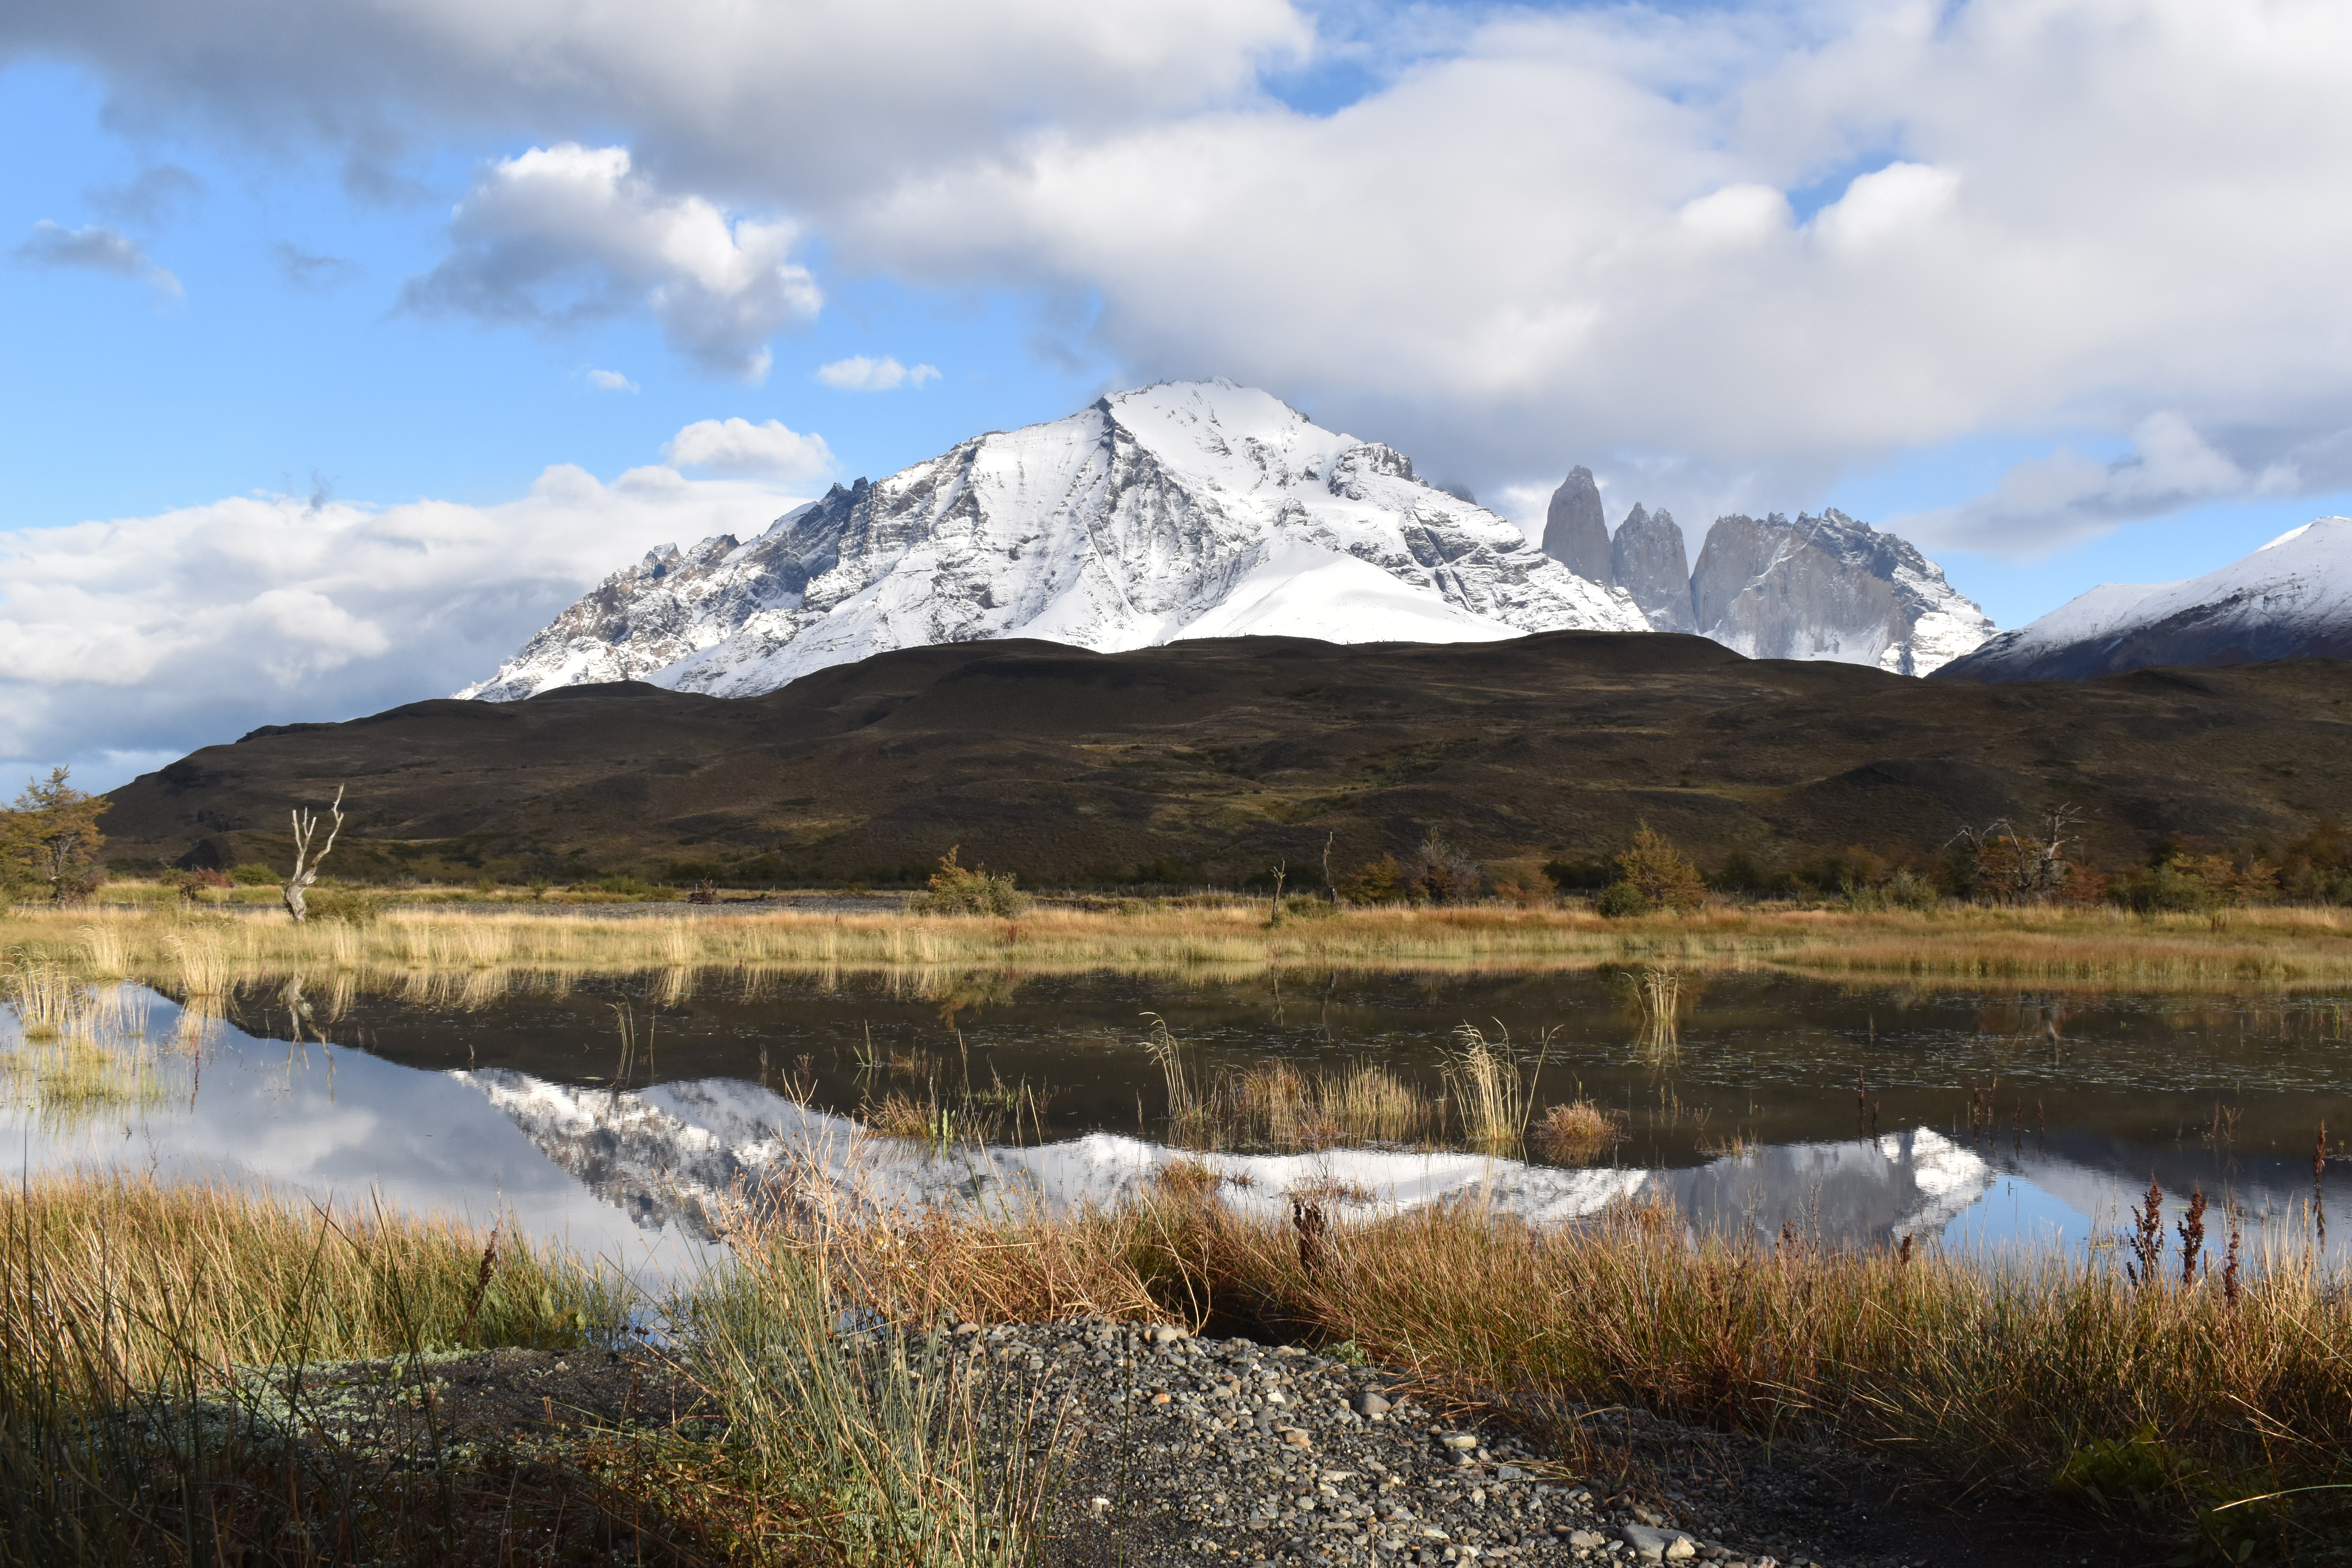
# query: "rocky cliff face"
{"points": [[1646, 559], [2289, 599], [1829, 587], [1187, 510], [1576, 534]]}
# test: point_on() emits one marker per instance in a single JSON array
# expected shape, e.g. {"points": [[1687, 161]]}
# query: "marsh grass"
{"points": [[869, 1442], [136, 1423], [1577, 1131], [203, 953], [1493, 1085], [2155, 1405], [1280, 1105]]}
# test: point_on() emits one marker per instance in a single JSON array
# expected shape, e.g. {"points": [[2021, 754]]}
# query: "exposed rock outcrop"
{"points": [[1576, 534], [1829, 587], [1646, 559]]}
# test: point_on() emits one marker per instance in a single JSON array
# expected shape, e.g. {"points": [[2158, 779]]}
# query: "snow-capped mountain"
{"points": [[1819, 587], [2292, 598], [1829, 587], [1184, 509]]}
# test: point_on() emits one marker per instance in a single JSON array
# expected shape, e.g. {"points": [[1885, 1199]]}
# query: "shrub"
{"points": [[340, 904], [1622, 901], [1660, 872], [254, 874], [1523, 882], [1379, 881], [960, 890], [1442, 874]]}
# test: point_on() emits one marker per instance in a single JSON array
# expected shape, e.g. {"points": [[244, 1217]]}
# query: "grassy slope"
{"points": [[1227, 757]]}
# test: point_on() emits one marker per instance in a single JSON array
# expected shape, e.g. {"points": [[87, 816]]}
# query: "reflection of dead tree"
{"points": [[306, 865], [2015, 864]]}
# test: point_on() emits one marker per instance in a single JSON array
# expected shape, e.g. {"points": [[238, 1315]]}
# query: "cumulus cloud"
{"points": [[1729, 251], [802, 103], [738, 447], [610, 381], [567, 234], [2052, 502], [95, 248], [149, 637], [859, 374]]}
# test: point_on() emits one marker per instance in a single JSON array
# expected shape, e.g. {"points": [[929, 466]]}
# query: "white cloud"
{"points": [[567, 234], [609, 381], [738, 447], [2049, 504], [1543, 236], [96, 249], [152, 636], [859, 374]]}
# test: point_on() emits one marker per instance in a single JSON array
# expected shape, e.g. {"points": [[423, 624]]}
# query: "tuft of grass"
{"points": [[1493, 1094], [868, 1441], [1579, 1130]]}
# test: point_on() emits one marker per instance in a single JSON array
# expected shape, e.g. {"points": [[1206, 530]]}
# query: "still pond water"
{"points": [[615, 1112]]}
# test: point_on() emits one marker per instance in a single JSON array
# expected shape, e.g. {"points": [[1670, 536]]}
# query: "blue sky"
{"points": [[312, 309]]}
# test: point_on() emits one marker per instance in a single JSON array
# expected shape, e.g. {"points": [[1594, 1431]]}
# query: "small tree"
{"points": [[306, 865], [957, 888], [52, 834], [1658, 875]]}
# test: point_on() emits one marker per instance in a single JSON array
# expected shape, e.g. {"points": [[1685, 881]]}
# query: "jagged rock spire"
{"points": [[1576, 535]]}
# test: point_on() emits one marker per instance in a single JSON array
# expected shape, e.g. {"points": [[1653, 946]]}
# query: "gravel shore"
{"points": [[1226, 1453], [1198, 1452]]}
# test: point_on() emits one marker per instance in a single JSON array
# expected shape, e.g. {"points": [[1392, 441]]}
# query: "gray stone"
{"points": [[1648, 559], [1165, 1334], [1586, 1539], [1367, 1402], [1652, 1544], [1829, 587], [1460, 1442], [1576, 535]]}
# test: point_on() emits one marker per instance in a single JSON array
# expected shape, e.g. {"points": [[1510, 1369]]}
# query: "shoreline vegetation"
{"points": [[176, 1377], [198, 951]]}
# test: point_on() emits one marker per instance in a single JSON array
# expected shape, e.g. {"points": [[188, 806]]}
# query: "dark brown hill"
{"points": [[1221, 757]]}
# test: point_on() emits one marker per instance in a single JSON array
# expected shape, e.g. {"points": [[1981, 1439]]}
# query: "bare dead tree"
{"points": [[306, 865], [2024, 863], [1330, 884]]}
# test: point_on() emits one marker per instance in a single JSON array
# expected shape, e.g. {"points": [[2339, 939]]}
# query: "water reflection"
{"points": [[619, 1113]]}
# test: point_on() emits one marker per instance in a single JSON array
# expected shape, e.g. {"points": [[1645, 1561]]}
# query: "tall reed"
{"points": [[874, 1442], [1493, 1094]]}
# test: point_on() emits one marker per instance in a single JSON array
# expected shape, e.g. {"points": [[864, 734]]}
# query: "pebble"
{"points": [[1230, 1454], [1654, 1545]]}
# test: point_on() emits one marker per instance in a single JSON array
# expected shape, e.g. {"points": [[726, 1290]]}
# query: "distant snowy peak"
{"points": [[1184, 509], [2292, 598]]}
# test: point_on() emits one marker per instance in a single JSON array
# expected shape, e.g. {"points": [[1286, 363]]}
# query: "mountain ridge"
{"points": [[1180, 509], [2289, 599]]}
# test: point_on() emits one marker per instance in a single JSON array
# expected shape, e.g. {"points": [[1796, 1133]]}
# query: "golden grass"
{"points": [[200, 953], [1576, 1131], [160, 1276], [2168, 1399]]}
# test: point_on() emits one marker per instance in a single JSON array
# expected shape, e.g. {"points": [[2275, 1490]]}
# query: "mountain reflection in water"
{"points": [[642, 1176]]}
